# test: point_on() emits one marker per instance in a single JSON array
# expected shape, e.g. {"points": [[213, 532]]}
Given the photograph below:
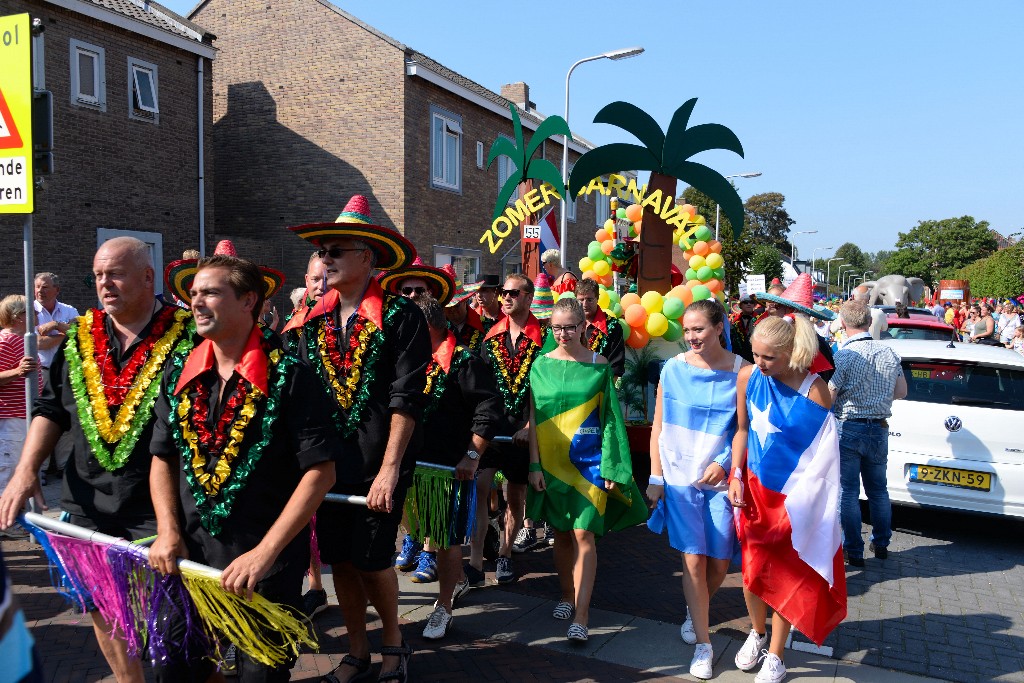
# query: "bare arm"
{"points": [[47, 342], [739, 440], [23, 368], [163, 489], [900, 390], [656, 491], [536, 479], [382, 492], [43, 435]]}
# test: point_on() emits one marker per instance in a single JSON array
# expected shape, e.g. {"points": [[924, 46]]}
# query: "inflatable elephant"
{"points": [[891, 289]]}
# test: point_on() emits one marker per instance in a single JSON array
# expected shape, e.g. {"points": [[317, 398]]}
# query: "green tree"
{"points": [[666, 155], [999, 275], [767, 219], [852, 256], [936, 250], [736, 251], [767, 261], [879, 261]]}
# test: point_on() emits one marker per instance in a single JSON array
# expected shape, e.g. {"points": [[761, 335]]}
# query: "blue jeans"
{"points": [[863, 452]]}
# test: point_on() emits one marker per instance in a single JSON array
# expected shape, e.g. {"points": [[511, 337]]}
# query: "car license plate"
{"points": [[921, 374], [946, 476]]}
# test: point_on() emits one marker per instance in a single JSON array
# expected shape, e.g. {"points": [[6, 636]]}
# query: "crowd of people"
{"points": [[206, 419]]}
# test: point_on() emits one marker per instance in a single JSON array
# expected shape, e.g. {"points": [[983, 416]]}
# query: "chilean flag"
{"points": [[549, 230], [790, 531]]}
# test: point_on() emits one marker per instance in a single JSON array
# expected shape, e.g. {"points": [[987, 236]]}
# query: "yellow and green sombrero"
{"points": [[441, 284], [178, 274], [392, 249]]}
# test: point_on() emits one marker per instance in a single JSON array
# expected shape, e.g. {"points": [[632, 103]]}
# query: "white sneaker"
{"points": [[700, 665], [750, 654], [438, 623], [772, 671], [686, 631]]}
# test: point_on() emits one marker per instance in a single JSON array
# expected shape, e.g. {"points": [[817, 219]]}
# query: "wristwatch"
{"points": [[472, 455]]}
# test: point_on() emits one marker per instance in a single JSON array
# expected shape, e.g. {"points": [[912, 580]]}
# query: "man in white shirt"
{"points": [[52, 317]]}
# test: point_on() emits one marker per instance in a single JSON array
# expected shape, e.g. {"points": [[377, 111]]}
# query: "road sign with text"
{"points": [[16, 179]]}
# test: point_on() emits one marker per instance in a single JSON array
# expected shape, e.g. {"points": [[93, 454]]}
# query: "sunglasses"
{"points": [[337, 252], [411, 291], [511, 293]]}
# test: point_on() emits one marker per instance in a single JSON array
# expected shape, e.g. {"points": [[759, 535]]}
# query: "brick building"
{"points": [[312, 105], [132, 108]]}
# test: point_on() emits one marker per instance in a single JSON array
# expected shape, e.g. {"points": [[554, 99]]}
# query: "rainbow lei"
{"points": [[215, 493], [512, 371], [348, 377], [437, 378], [90, 395]]}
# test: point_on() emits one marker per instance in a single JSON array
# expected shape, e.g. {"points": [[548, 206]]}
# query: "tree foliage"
{"points": [[936, 250], [998, 275], [767, 261], [736, 251], [852, 256], [767, 219]]}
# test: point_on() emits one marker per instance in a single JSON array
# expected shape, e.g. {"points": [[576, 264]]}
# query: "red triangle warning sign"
{"points": [[10, 138]]}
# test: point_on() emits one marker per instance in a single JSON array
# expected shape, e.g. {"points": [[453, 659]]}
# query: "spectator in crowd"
{"points": [[985, 326], [949, 313], [1017, 343], [1008, 324], [562, 279], [966, 328], [868, 378], [52, 317]]}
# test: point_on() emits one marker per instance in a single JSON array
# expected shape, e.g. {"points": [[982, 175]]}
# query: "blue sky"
{"points": [[867, 116]]}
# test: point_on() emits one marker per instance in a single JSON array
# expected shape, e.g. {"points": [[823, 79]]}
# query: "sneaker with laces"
{"points": [[426, 568], [314, 602], [503, 570], [438, 623], [525, 539], [750, 653], [476, 577], [686, 631], [700, 665], [461, 588], [408, 555], [772, 671]]}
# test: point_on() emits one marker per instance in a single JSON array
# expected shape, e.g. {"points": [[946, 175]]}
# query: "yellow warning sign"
{"points": [[16, 114]]}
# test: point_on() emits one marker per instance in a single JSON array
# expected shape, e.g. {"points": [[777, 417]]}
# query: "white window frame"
{"points": [[570, 201], [143, 112], [445, 255], [154, 240], [603, 209], [506, 167], [479, 155], [452, 126], [79, 98]]}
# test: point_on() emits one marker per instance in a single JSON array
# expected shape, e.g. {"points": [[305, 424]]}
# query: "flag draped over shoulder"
{"points": [[790, 530]]}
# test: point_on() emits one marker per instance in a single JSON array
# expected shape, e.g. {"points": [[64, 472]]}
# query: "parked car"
{"points": [[954, 441], [916, 328], [914, 312]]}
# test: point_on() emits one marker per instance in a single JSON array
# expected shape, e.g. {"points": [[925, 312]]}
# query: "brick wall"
{"points": [[111, 172]]}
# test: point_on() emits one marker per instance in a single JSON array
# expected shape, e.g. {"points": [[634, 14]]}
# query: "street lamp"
{"points": [[615, 55], [813, 252], [853, 284], [792, 244], [718, 209], [846, 276], [828, 272]]}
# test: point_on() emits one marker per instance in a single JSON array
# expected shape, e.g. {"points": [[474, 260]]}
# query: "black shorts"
{"points": [[513, 461], [356, 534]]}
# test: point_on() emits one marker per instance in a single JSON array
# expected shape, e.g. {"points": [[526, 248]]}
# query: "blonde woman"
{"points": [[14, 367], [785, 483]]}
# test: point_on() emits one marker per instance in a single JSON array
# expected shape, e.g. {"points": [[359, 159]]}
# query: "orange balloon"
{"points": [[607, 246], [701, 249], [715, 246], [635, 315], [688, 255], [676, 291], [628, 300], [633, 213], [690, 284], [688, 208], [605, 280], [638, 338], [636, 228], [686, 295], [590, 275], [714, 285], [602, 235]]}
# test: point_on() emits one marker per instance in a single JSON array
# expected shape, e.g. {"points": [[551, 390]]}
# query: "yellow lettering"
{"points": [[491, 244], [547, 191], [595, 185], [617, 184], [670, 212], [517, 213], [638, 194], [653, 201], [507, 222], [533, 201]]}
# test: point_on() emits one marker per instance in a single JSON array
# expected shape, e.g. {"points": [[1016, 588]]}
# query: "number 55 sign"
{"points": [[531, 233]]}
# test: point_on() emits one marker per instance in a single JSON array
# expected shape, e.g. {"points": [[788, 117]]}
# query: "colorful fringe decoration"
{"points": [[433, 503]]}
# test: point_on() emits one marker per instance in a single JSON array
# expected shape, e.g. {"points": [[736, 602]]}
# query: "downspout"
{"points": [[202, 157]]}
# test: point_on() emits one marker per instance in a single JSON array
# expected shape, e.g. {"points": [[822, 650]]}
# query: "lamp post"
{"points": [[615, 55], [853, 284], [718, 209], [844, 277], [828, 272], [813, 252], [792, 245]]}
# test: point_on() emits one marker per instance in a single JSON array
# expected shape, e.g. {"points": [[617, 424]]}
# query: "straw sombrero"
{"points": [[441, 284], [543, 298], [178, 274], [798, 297], [392, 249], [461, 292]]}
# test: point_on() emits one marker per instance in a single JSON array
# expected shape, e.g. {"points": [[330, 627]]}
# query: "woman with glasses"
{"points": [[966, 329], [580, 468]]}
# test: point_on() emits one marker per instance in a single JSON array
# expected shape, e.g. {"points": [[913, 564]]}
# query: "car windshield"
{"points": [[917, 333], [952, 383]]}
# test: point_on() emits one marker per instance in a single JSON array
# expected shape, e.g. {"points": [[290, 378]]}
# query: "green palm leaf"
{"points": [[506, 192], [611, 158], [545, 171], [552, 125], [502, 147], [517, 128], [698, 139], [635, 120], [713, 184], [677, 126]]}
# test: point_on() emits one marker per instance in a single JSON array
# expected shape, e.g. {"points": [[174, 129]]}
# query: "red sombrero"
{"points": [[178, 274], [441, 284], [392, 249]]}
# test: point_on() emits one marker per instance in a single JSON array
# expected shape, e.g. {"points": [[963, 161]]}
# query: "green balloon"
{"points": [[617, 308], [690, 274], [672, 308], [704, 273], [626, 330], [613, 296], [620, 214], [700, 292], [703, 234], [674, 331], [719, 273], [686, 243], [594, 252]]}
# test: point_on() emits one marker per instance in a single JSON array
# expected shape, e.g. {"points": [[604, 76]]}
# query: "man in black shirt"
{"points": [[239, 500], [112, 355], [603, 335]]}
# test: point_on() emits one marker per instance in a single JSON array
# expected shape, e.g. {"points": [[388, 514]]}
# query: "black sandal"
{"points": [[362, 667], [403, 652]]}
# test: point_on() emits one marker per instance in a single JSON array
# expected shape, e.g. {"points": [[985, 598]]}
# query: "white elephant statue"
{"points": [[891, 289]]}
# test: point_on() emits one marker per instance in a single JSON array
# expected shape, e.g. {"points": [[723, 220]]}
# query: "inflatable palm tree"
{"points": [[521, 154]]}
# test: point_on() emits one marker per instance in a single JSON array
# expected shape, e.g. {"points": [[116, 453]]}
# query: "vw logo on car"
{"points": [[953, 424]]}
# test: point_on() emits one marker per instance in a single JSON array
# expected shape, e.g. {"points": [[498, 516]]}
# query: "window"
{"points": [[506, 169], [466, 262], [154, 240], [143, 102], [603, 206], [479, 155], [570, 203], [445, 150], [88, 76]]}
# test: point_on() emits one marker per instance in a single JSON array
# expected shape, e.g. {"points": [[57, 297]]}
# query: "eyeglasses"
{"points": [[565, 329], [417, 291], [511, 293], [337, 252]]}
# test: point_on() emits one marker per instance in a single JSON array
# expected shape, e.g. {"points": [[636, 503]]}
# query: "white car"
{"points": [[955, 441]]}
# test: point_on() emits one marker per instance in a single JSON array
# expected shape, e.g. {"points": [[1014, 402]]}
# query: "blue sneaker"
{"points": [[407, 556], [426, 569]]}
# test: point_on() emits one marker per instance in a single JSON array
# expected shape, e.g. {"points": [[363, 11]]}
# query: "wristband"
{"points": [[737, 472], [656, 480], [536, 467]]}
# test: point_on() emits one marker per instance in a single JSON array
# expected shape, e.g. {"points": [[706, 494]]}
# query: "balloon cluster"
{"points": [[600, 261]]}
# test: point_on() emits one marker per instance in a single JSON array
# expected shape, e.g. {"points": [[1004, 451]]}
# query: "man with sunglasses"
{"points": [[106, 483], [487, 301], [510, 348]]}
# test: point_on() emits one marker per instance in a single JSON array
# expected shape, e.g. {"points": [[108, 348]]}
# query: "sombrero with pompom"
{"points": [[178, 275], [441, 284], [798, 296]]}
